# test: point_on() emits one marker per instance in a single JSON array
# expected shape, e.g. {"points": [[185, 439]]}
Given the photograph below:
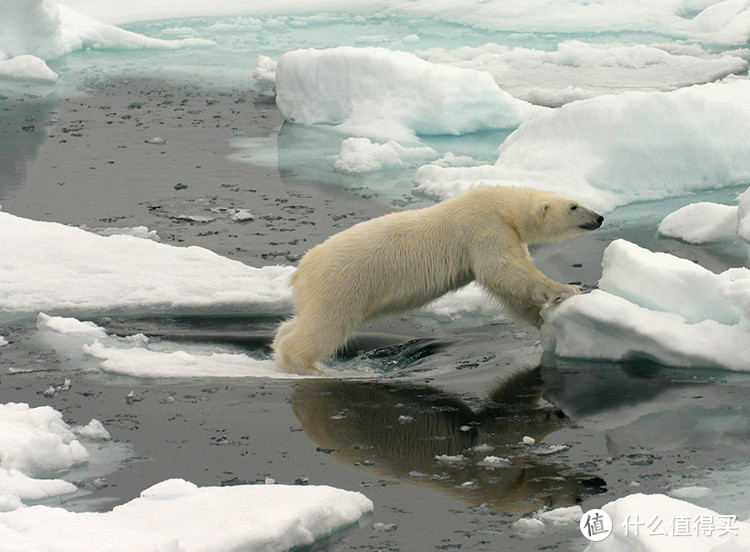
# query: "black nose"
{"points": [[599, 220]]}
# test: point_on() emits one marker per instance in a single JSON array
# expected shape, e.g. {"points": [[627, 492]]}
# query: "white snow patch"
{"points": [[659, 307], [385, 94], [685, 140], [58, 269], [177, 515], [543, 521], [727, 534]]}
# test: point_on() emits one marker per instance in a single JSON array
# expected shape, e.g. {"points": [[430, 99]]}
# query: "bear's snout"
{"points": [[594, 224]]}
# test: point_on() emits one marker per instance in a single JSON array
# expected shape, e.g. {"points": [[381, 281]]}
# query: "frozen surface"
{"points": [[360, 155], [40, 30], [386, 94], [702, 222], [659, 307], [55, 268], [578, 70], [178, 515], [585, 149], [668, 524]]}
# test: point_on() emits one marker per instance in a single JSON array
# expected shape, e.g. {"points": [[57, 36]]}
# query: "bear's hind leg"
{"points": [[302, 341]]}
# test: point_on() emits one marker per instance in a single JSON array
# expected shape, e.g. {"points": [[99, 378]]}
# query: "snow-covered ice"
{"points": [[659, 307], [385, 94], [701, 222], [685, 140], [57, 269], [743, 216], [178, 515], [37, 31], [668, 524], [359, 155]]}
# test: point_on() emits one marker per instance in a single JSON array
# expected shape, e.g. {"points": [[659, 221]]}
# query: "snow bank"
{"points": [[385, 94], [659, 307], [658, 523], [613, 150], [57, 269], [35, 31], [178, 515]]}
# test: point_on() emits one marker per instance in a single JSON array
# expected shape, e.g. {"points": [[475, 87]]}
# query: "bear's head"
{"points": [[562, 217]]}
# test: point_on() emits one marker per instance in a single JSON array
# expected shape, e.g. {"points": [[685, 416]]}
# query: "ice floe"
{"points": [[613, 150], [658, 307], [37, 31], [54, 268], [658, 523], [178, 515], [385, 94], [701, 222]]}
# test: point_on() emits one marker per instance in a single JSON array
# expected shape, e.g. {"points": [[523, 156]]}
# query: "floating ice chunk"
{"points": [[17, 487], [586, 149], [492, 462], [528, 440], [663, 282], [450, 458], [690, 493], [93, 431], [36, 441], [55, 268], [359, 155], [385, 94], [544, 520], [659, 307], [3, 341], [702, 530], [135, 231], [265, 71], [27, 68], [701, 222], [178, 515], [529, 527]]}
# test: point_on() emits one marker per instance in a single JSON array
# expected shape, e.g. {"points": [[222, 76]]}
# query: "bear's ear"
{"points": [[543, 209]]}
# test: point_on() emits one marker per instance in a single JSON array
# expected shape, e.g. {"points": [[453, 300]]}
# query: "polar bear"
{"points": [[404, 260]]}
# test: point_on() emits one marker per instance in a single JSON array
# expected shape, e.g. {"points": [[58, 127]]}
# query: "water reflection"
{"points": [[431, 437], [23, 130]]}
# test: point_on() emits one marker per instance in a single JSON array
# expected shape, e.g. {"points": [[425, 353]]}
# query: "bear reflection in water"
{"points": [[422, 434]]}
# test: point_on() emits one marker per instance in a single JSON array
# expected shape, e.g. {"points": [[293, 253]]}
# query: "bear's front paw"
{"points": [[559, 295]]}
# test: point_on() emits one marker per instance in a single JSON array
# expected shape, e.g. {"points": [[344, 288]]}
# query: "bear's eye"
{"points": [[573, 207]]}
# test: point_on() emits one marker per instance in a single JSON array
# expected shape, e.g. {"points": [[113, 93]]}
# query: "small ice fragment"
{"points": [[493, 462], [404, 419], [529, 440], [379, 526], [94, 431], [50, 391], [467, 485], [465, 428], [3, 341], [529, 526], [450, 459], [242, 215], [156, 140], [690, 493], [269, 481]]}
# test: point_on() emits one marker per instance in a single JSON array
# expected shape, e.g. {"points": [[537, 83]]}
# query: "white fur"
{"points": [[403, 260]]}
